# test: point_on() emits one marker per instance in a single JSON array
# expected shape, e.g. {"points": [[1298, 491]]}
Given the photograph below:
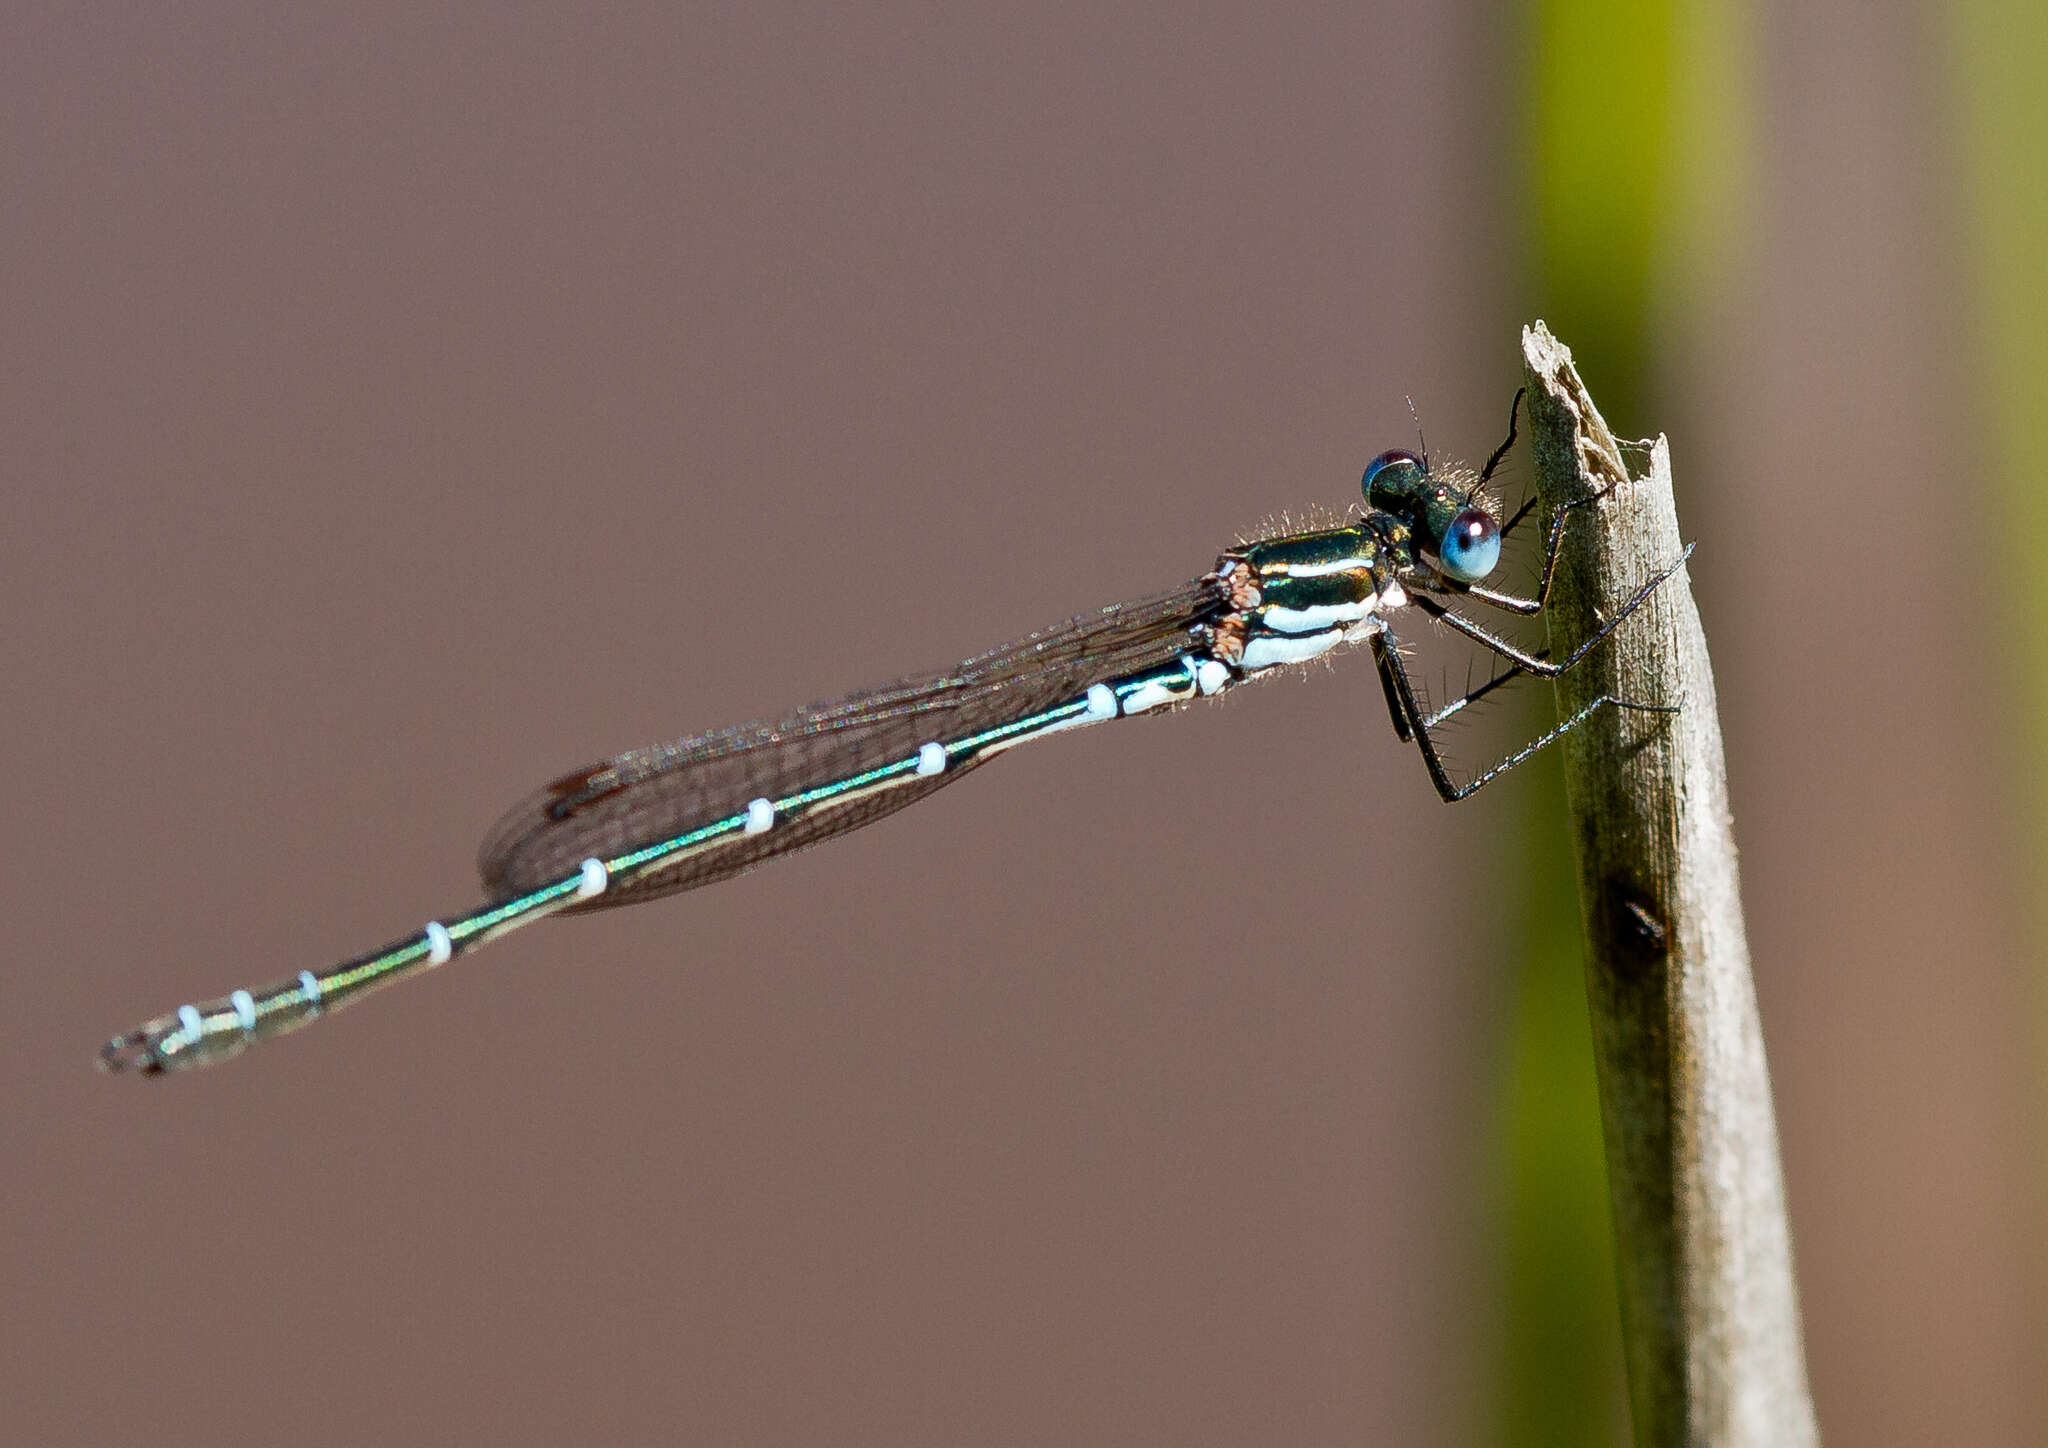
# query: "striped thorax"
{"points": [[1300, 595]]}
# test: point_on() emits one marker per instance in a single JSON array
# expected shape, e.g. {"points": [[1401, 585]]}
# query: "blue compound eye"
{"points": [[1471, 546], [1391, 476]]}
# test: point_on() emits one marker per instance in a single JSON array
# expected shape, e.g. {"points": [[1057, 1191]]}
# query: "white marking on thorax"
{"points": [[1393, 595], [1267, 651], [245, 1009], [440, 947], [593, 878], [760, 817], [1316, 618], [931, 759], [1324, 570], [1211, 677]]}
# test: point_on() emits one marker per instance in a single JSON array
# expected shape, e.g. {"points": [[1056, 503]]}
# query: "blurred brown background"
{"points": [[401, 406]]}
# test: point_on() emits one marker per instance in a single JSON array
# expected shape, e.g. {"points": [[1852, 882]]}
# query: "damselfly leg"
{"points": [[1553, 536], [1416, 725], [1386, 651], [1413, 723], [1533, 663]]}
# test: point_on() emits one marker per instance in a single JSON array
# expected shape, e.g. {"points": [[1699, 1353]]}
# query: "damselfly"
{"points": [[655, 821]]}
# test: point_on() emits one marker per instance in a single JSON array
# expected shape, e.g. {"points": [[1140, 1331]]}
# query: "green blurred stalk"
{"points": [[2001, 52], [1560, 1378], [2000, 75], [1633, 128]]}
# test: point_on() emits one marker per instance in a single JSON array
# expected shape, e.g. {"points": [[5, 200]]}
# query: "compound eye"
{"points": [[1471, 546], [1396, 473]]}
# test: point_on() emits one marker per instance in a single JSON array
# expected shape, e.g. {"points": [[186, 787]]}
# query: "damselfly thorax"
{"points": [[672, 817]]}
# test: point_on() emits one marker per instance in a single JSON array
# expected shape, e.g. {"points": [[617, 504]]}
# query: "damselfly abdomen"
{"points": [[655, 821]]}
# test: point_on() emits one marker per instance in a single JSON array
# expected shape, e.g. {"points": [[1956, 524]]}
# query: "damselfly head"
{"points": [[1447, 513]]}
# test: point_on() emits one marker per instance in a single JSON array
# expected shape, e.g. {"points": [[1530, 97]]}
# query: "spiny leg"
{"points": [[1508, 676], [1500, 452], [1536, 663], [1552, 541], [1404, 728], [1554, 734], [1395, 708], [1386, 655], [1494, 461], [1514, 603], [1399, 701], [1386, 651], [1473, 696]]}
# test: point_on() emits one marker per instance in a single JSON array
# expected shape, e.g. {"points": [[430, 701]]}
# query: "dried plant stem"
{"points": [[1710, 1313]]}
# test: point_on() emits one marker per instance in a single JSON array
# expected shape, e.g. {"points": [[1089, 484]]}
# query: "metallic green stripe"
{"points": [[643, 860], [484, 921], [862, 780], [974, 743], [355, 977], [639, 860]]}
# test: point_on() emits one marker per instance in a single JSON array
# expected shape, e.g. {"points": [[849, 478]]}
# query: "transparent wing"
{"points": [[648, 795]]}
